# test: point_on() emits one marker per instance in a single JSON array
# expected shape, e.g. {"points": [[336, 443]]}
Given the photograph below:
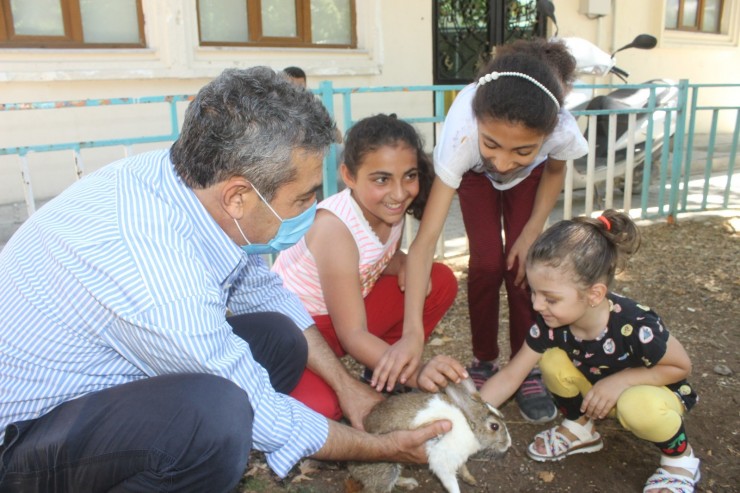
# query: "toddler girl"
{"points": [[601, 354]]}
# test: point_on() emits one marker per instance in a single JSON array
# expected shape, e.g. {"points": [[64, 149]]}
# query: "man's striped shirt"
{"points": [[124, 276]]}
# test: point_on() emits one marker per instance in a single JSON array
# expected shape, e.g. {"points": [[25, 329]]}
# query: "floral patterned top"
{"points": [[634, 336]]}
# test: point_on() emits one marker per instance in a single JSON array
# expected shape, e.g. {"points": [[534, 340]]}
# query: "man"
{"points": [[144, 341], [296, 75]]}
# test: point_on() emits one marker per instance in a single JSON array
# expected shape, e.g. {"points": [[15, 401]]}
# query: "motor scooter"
{"points": [[592, 60]]}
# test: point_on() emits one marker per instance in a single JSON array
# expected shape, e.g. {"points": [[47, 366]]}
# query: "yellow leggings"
{"points": [[649, 412]]}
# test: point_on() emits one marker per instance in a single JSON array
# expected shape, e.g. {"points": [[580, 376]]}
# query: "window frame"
{"points": [[303, 38], [696, 28], [73, 36]]}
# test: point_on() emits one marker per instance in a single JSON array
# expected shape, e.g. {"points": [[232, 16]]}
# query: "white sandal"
{"points": [[676, 483], [558, 446]]}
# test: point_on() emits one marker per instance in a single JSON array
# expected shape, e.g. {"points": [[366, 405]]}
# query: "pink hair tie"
{"points": [[606, 222]]}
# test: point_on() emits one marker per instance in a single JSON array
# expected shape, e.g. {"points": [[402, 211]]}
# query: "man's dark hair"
{"points": [[249, 122]]}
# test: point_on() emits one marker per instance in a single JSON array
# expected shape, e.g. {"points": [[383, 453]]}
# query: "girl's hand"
{"points": [[518, 255], [603, 396], [438, 372], [398, 363]]}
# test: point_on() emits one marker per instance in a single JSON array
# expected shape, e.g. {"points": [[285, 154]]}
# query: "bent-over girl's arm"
{"points": [[421, 256], [396, 367], [551, 184]]}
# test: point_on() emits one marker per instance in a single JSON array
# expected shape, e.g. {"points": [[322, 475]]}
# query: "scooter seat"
{"points": [[633, 97]]}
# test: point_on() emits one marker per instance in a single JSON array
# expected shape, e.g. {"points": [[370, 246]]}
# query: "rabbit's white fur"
{"points": [[476, 426], [452, 450]]}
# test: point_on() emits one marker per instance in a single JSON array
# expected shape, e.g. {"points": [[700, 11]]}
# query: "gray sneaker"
{"points": [[534, 401], [481, 371]]}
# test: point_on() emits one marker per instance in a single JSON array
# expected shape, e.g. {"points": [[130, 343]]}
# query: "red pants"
{"points": [[384, 311], [483, 209]]}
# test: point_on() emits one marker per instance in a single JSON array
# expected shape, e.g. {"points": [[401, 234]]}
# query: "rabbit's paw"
{"points": [[466, 476], [407, 484]]}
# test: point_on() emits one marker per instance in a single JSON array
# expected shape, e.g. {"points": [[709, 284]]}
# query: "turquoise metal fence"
{"points": [[667, 187], [126, 142]]}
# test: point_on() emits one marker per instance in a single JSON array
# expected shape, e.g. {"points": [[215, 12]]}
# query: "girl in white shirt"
{"points": [[503, 148]]}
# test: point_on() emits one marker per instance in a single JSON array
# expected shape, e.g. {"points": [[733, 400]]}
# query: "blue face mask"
{"points": [[288, 234]]}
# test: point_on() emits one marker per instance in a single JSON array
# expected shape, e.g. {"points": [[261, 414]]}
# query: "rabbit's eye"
{"points": [[494, 426]]}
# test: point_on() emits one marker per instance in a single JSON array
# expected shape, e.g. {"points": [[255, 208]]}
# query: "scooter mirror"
{"points": [[642, 42], [547, 8]]}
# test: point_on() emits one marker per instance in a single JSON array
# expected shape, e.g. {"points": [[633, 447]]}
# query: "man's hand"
{"points": [[438, 372], [410, 445], [355, 398], [345, 443], [356, 401]]}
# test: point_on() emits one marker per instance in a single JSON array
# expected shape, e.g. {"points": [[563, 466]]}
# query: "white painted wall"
{"points": [[394, 48]]}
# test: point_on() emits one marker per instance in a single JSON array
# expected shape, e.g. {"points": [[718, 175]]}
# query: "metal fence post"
{"points": [[330, 169], [681, 103]]}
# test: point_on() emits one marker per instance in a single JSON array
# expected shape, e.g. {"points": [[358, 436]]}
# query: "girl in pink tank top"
{"points": [[349, 269]]}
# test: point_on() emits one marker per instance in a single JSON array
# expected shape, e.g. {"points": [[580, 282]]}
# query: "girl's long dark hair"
{"points": [[372, 133]]}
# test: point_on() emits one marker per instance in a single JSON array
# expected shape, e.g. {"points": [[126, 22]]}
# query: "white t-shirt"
{"points": [[457, 151]]}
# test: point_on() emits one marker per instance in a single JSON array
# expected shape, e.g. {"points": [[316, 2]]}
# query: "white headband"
{"points": [[496, 75]]}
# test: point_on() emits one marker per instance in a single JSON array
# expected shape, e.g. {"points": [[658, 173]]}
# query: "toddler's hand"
{"points": [[602, 397]]}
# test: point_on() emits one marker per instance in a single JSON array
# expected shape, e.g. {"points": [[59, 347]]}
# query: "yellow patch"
{"points": [[627, 330]]}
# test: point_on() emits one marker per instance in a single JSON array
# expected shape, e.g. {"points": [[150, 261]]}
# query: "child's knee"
{"points": [[559, 374], [444, 283], [553, 360], [642, 410], [315, 393]]}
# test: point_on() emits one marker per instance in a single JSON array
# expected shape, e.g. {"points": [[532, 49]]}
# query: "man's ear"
{"points": [[596, 293], [347, 177], [235, 196]]}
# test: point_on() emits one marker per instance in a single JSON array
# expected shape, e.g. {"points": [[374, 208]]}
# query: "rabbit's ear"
{"points": [[469, 386], [462, 394], [494, 411]]}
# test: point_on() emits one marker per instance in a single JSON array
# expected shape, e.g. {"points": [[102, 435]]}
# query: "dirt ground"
{"points": [[689, 272]]}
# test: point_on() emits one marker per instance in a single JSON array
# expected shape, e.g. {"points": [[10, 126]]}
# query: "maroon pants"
{"points": [[384, 311], [493, 220]]}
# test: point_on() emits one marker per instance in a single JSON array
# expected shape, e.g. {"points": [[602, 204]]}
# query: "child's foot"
{"points": [[568, 438], [481, 371], [534, 401], [675, 475]]}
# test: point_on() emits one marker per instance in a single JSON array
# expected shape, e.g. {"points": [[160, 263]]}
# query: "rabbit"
{"points": [[476, 426]]}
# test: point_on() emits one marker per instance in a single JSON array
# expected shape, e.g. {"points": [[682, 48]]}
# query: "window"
{"points": [[694, 15], [71, 24], [325, 23]]}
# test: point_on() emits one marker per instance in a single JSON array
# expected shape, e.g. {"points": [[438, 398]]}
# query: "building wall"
{"points": [[394, 48]]}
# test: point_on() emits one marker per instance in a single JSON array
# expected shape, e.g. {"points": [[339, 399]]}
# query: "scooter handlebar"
{"points": [[622, 74]]}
